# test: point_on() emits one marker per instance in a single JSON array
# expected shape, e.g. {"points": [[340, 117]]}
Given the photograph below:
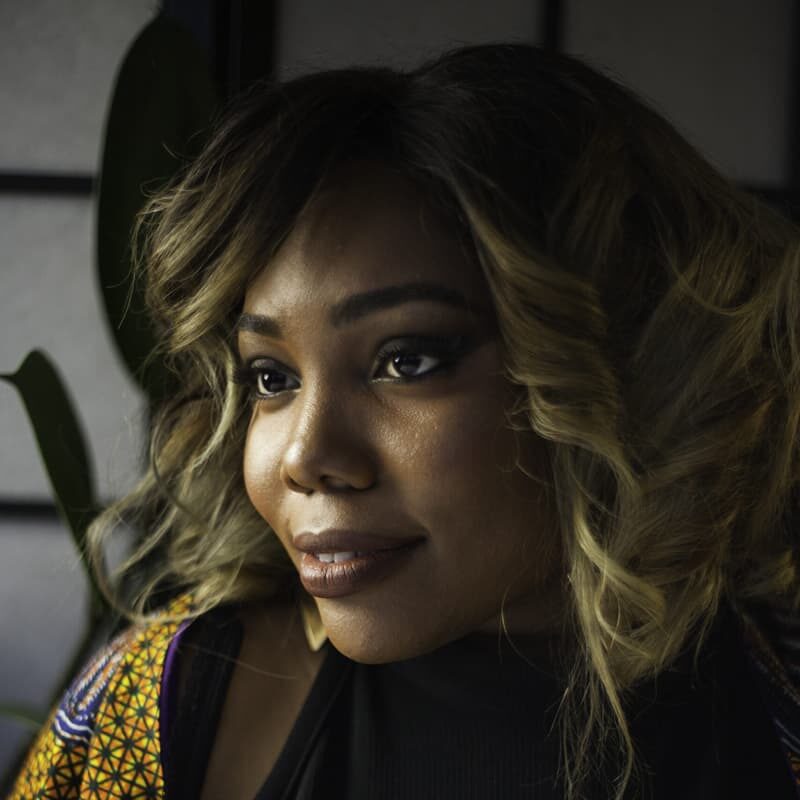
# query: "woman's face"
{"points": [[407, 445]]}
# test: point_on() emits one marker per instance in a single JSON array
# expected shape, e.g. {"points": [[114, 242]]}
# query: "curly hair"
{"points": [[649, 312]]}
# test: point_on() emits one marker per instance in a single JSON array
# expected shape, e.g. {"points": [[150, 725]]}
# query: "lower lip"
{"points": [[332, 579]]}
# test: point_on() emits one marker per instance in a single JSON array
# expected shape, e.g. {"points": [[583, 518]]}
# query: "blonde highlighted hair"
{"points": [[649, 312]]}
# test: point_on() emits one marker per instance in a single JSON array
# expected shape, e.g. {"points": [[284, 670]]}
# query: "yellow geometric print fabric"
{"points": [[103, 740]]}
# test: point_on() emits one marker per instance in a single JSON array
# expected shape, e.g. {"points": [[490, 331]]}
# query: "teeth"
{"points": [[329, 558]]}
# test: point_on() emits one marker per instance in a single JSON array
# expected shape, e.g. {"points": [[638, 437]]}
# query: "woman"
{"points": [[479, 478]]}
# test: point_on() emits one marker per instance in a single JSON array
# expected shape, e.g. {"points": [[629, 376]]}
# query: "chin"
{"points": [[368, 645], [378, 647], [372, 651]]}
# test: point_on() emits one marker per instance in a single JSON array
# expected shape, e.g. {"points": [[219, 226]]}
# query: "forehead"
{"points": [[370, 228]]}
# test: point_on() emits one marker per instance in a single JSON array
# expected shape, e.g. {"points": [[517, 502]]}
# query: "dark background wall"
{"points": [[725, 71]]}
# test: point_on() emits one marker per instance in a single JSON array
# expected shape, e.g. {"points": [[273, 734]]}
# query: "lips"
{"points": [[345, 541], [339, 579]]}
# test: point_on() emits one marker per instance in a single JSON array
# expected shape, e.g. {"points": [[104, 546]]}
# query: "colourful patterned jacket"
{"points": [[103, 740]]}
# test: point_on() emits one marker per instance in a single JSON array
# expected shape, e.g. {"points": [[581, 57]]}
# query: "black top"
{"points": [[474, 720]]}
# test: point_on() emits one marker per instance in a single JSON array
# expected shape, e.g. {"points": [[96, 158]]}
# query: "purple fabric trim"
{"points": [[166, 695]]}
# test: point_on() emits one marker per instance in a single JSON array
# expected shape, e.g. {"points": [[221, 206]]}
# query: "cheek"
{"points": [[459, 459], [259, 467], [466, 480]]}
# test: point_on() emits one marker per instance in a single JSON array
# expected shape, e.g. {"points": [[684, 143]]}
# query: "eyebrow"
{"points": [[358, 306]]}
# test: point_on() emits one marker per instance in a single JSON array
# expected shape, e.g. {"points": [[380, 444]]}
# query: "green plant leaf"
{"points": [[61, 443], [163, 100]]}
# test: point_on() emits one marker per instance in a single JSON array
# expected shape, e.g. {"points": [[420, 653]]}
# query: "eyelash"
{"points": [[445, 350]]}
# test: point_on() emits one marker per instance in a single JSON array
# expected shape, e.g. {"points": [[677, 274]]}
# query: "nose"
{"points": [[327, 450]]}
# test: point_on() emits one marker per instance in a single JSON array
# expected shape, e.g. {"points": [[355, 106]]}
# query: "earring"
{"points": [[312, 622]]}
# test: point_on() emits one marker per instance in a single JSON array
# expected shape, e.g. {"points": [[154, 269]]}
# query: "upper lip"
{"points": [[346, 541]]}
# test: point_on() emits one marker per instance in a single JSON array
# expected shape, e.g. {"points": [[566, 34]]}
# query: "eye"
{"points": [[401, 357], [417, 357], [261, 377]]}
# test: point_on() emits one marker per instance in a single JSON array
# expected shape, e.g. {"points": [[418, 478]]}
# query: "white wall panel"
{"points": [[719, 69], [57, 64], [317, 35], [49, 299]]}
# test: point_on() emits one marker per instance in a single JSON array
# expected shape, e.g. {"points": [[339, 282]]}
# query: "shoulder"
{"points": [[109, 716]]}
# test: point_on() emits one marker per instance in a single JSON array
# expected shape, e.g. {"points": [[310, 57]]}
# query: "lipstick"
{"points": [[354, 571]]}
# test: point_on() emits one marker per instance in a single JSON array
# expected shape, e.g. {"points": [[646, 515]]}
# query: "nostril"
{"points": [[335, 483], [294, 485]]}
